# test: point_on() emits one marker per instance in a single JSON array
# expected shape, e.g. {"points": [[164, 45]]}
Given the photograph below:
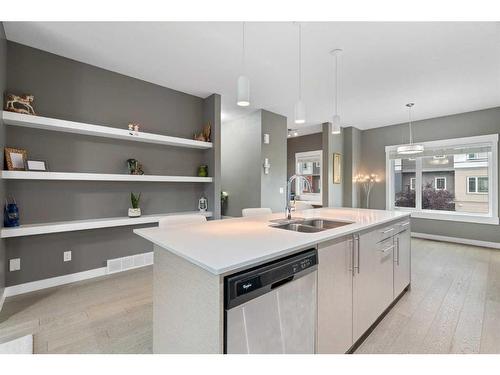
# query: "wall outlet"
{"points": [[282, 190], [67, 256], [15, 264]]}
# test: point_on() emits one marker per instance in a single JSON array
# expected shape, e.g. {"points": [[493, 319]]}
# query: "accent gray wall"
{"points": [[240, 162], [276, 151], [304, 143], [351, 164], [456, 126], [242, 159], [332, 143], [3, 67], [71, 90]]}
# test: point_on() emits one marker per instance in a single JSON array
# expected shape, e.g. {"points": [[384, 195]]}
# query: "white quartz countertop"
{"points": [[227, 246]]}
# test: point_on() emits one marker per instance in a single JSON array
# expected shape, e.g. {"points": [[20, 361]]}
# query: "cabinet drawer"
{"points": [[402, 225], [386, 246], [386, 232]]}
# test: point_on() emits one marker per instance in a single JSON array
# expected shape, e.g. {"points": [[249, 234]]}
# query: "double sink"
{"points": [[310, 225]]}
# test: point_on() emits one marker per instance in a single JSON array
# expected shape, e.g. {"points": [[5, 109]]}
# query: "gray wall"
{"points": [[304, 143], [3, 67], [242, 158], [276, 151], [351, 163], [241, 162], [462, 125], [333, 194], [72, 90]]}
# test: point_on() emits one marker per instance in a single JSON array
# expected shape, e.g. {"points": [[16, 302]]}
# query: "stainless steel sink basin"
{"points": [[298, 228], [310, 225], [324, 224]]}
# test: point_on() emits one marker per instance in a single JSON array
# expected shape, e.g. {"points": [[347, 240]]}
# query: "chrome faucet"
{"points": [[289, 193]]}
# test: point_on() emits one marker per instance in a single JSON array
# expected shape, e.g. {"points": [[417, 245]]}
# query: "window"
{"points": [[477, 185], [440, 183], [412, 183], [452, 179]]}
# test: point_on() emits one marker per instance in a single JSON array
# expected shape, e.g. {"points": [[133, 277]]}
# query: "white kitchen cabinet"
{"points": [[335, 296], [373, 279], [402, 259]]}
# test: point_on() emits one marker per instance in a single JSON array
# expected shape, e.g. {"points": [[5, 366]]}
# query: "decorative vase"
{"points": [[11, 215], [134, 212], [203, 171], [203, 204]]}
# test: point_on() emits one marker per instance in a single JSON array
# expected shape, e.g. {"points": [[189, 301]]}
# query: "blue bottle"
{"points": [[11, 214]]}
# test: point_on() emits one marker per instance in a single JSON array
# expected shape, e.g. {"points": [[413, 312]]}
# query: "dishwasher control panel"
{"points": [[241, 287]]}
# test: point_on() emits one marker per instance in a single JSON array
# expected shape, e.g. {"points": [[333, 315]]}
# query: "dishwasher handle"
{"points": [[279, 283]]}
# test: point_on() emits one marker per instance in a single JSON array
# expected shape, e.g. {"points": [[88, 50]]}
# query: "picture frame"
{"points": [[37, 166], [337, 168], [15, 159]]}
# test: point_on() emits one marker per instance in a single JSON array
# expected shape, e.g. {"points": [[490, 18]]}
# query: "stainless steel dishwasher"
{"points": [[272, 308]]}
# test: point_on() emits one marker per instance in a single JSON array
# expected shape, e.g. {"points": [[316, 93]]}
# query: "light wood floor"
{"points": [[452, 307]]}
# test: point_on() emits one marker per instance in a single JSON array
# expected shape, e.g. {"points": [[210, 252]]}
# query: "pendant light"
{"points": [[300, 110], [243, 81], [410, 148], [336, 117]]}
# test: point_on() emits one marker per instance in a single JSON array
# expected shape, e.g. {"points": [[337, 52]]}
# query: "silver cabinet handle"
{"points": [[387, 249], [405, 224], [387, 230], [397, 251], [357, 248]]}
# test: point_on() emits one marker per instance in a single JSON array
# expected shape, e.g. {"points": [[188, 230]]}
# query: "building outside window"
{"points": [[452, 179]]}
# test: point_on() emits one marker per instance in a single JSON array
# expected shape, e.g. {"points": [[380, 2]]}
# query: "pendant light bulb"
{"points": [[243, 90], [300, 112], [336, 124]]}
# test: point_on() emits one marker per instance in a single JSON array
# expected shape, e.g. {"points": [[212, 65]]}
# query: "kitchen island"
{"points": [[191, 263]]}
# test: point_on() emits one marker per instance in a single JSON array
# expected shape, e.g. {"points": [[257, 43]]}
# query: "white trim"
{"points": [[435, 182], [33, 286], [489, 138], [71, 176], [2, 299], [465, 241], [46, 123], [76, 225], [53, 281]]}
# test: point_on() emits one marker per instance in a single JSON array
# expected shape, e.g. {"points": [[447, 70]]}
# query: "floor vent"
{"points": [[128, 263]]}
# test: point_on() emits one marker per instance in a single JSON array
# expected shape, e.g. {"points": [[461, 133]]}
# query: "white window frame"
{"points": [[439, 178], [490, 218], [476, 178], [316, 198], [413, 181]]}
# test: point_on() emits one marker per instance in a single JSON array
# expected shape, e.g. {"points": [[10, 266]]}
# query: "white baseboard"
{"points": [[2, 299], [465, 241], [65, 279]]}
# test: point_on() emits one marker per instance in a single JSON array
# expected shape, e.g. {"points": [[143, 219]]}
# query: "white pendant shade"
{"points": [[336, 124], [243, 91], [300, 112], [410, 149]]}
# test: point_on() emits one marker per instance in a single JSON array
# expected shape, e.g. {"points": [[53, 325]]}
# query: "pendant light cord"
{"points": [[409, 117], [300, 61], [337, 83], [243, 49]]}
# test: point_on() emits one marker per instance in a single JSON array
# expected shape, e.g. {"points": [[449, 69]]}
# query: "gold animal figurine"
{"points": [[20, 104], [204, 136]]}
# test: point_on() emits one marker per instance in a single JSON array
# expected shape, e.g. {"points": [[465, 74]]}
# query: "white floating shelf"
{"points": [[76, 225], [46, 123], [63, 176]]}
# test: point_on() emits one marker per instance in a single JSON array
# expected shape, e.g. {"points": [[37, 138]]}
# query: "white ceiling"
{"points": [[444, 67]]}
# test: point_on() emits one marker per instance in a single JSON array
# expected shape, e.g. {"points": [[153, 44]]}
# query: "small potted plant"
{"points": [[135, 211]]}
